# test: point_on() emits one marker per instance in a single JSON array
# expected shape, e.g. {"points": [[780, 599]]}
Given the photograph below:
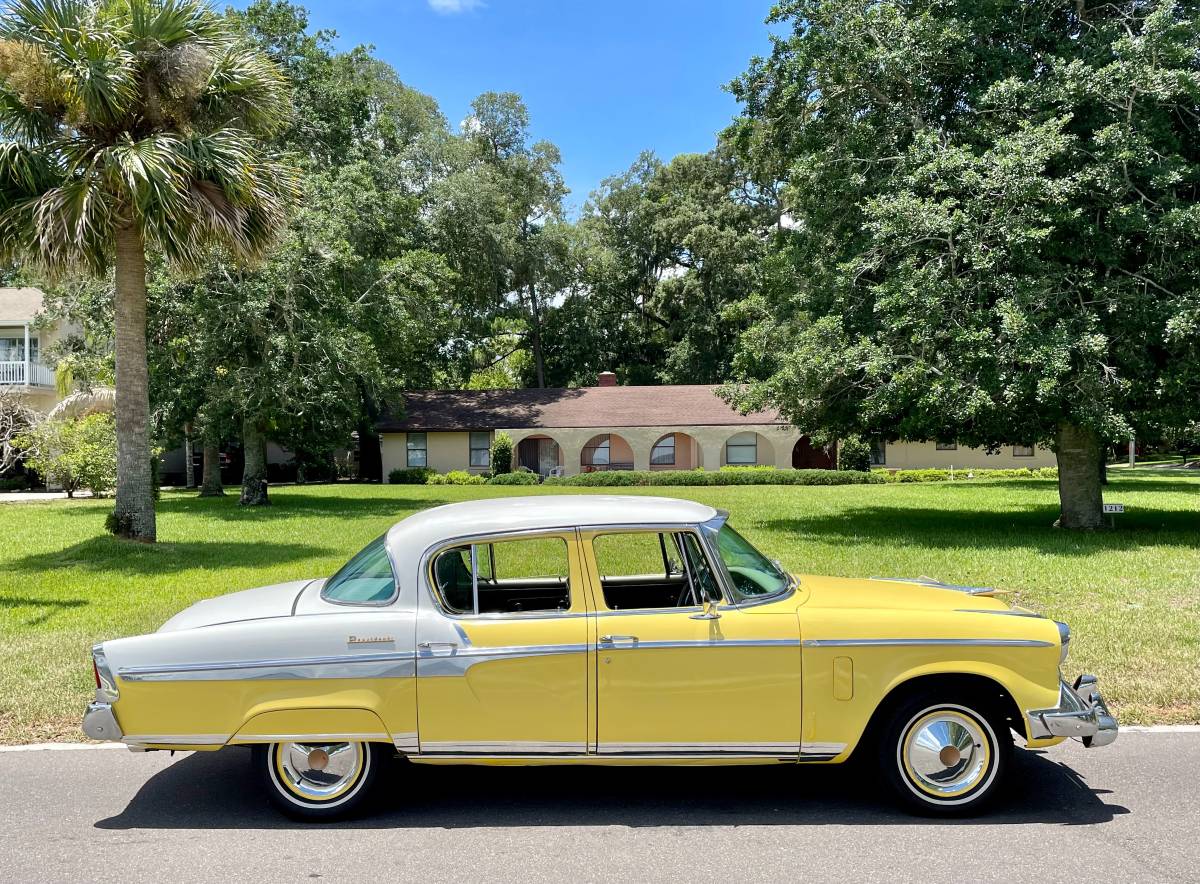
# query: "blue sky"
{"points": [[603, 80]]}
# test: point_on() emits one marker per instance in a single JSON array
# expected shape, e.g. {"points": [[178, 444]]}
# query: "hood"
{"points": [[920, 594], [278, 600]]}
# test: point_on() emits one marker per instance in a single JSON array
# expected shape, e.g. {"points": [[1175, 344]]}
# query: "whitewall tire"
{"points": [[318, 780]]}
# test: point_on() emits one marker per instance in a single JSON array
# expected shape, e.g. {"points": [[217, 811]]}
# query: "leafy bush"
{"points": [[525, 477], [931, 475], [854, 453], [21, 482], [627, 478], [501, 454], [410, 476], [462, 477], [79, 453]]}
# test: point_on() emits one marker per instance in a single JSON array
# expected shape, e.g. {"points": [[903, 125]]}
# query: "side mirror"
{"points": [[709, 611]]}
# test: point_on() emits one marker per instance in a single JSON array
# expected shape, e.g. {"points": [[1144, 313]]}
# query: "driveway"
{"points": [[1130, 811]]}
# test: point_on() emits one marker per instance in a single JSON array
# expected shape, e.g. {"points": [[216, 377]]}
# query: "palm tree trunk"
{"points": [[133, 515], [1079, 493], [254, 476], [210, 478], [189, 466]]}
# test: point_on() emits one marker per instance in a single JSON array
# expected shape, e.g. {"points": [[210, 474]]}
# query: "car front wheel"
{"points": [[944, 758], [318, 781]]}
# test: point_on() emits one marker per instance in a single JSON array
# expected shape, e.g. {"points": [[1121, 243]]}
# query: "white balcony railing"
{"points": [[13, 374]]}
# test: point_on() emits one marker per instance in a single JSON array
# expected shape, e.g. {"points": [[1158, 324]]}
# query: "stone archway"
{"points": [[541, 454]]}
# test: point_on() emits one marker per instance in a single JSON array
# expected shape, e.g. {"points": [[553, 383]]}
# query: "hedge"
{"points": [[455, 477], [522, 478], [411, 476], [906, 476], [625, 478]]}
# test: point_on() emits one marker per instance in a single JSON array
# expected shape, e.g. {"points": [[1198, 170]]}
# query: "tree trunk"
{"points": [[133, 515], [189, 468], [210, 479], [539, 363], [1079, 493], [254, 475]]}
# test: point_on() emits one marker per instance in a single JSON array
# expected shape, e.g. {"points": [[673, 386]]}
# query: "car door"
{"points": [[502, 648], [669, 681]]}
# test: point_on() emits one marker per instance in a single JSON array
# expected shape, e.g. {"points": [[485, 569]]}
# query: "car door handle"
{"points": [[618, 641], [438, 648]]}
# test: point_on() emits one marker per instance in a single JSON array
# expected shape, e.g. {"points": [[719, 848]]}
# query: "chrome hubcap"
{"points": [[319, 772], [945, 753]]}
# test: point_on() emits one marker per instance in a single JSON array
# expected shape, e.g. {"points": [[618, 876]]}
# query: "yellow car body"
{"points": [[798, 675]]}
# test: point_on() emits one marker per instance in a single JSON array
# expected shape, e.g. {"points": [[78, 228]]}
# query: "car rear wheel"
{"points": [[944, 758], [319, 781]]}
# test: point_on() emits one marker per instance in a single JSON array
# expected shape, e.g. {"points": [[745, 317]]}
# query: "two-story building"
{"points": [[23, 341]]}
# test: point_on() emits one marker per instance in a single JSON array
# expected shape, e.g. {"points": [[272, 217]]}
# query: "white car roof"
{"points": [[419, 531]]}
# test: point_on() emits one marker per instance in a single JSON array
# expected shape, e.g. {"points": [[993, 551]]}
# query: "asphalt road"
{"points": [[1130, 811]]}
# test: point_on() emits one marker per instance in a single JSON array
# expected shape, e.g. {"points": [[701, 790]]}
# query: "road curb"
{"points": [[61, 747]]}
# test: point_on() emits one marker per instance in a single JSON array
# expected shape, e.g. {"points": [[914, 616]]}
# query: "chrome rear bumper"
{"points": [[99, 723], [1081, 713]]}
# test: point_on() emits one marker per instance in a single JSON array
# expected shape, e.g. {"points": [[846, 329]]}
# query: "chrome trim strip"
{"points": [[822, 748], [712, 749], [397, 664], [406, 742], [178, 739], [502, 748], [345, 737], [1002, 613], [107, 692], [924, 642], [459, 660], [929, 581], [712, 643], [632, 756]]}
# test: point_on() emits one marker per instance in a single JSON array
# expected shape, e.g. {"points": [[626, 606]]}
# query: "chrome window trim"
{"points": [[708, 535], [433, 551], [689, 528], [924, 642]]}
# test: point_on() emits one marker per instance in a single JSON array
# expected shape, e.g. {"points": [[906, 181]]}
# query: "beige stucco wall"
{"points": [[699, 446], [924, 455]]}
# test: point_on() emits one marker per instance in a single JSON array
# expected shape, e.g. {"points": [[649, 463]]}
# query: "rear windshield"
{"points": [[365, 579]]}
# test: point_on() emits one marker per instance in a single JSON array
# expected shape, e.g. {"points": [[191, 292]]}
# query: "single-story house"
{"points": [[612, 427]]}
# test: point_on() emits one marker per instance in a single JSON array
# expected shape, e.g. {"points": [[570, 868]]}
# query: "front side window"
{"points": [[481, 444], [646, 569], [418, 453], [742, 449], [505, 577], [663, 452], [753, 573], [365, 579]]}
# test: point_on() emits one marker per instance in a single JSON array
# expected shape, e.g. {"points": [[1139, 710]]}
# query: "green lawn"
{"points": [[1132, 596]]}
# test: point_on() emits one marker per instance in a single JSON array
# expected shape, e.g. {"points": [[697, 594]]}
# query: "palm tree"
{"points": [[127, 126]]}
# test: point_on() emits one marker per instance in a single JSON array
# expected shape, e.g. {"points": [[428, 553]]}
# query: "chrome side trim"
{"points": [[178, 739], [397, 664], [774, 750], [459, 660], [344, 737], [713, 643], [822, 748], [501, 748], [924, 642], [1033, 614], [107, 692], [406, 742]]}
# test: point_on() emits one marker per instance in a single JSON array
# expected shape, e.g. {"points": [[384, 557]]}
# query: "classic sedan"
{"points": [[595, 630]]}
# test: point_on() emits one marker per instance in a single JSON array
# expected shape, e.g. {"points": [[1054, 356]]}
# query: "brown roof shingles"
{"points": [[664, 406]]}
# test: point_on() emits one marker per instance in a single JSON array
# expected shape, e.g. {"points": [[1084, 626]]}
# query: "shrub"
{"points": [[525, 477], [462, 477], [501, 454], [962, 475], [627, 478], [79, 453], [435, 479], [854, 453], [410, 476]]}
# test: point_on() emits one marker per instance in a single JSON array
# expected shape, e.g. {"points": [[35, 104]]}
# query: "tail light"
{"points": [[96, 673]]}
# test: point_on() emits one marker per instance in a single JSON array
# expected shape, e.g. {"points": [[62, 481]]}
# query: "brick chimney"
{"points": [[606, 379]]}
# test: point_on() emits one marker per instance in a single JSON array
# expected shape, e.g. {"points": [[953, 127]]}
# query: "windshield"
{"points": [[365, 578], [753, 573]]}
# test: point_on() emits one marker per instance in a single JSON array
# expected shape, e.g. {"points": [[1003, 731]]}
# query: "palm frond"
{"points": [[248, 89], [74, 224], [159, 23]]}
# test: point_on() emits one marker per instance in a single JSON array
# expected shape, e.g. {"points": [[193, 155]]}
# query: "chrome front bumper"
{"points": [[1081, 713], [99, 723]]}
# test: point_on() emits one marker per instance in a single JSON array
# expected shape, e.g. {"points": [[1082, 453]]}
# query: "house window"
{"points": [[13, 349], [1022, 451], [742, 449], [947, 446], [878, 452], [418, 454], [507, 577], [663, 452], [598, 452], [481, 444]]}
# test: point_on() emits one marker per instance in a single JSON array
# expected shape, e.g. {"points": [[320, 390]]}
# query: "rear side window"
{"points": [[505, 577], [365, 579]]}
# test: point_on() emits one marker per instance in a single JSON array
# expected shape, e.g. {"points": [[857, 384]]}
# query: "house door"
{"points": [[539, 454], [806, 456]]}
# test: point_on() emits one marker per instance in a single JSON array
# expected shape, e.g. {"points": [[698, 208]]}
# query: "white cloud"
{"points": [[451, 7]]}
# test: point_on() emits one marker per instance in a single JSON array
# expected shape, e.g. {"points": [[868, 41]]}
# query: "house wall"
{"points": [[924, 455], [446, 451], [40, 399]]}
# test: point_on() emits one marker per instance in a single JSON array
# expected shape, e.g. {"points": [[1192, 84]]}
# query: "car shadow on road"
{"points": [[217, 791]]}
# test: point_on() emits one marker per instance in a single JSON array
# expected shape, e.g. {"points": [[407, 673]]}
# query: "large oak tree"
{"points": [[995, 227]]}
